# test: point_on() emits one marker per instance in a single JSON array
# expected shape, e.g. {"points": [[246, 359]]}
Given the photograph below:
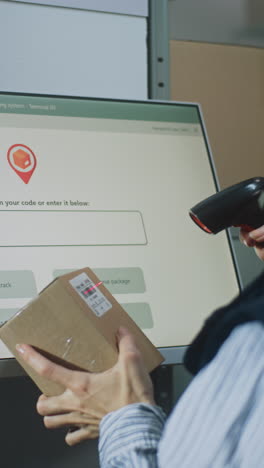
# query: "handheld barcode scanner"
{"points": [[239, 205]]}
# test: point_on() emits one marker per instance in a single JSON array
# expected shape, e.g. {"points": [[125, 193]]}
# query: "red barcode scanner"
{"points": [[240, 205]]}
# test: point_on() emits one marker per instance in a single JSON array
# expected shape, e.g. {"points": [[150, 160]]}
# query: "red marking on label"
{"points": [[93, 287]]}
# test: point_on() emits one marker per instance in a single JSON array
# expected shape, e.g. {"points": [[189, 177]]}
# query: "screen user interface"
{"points": [[108, 184]]}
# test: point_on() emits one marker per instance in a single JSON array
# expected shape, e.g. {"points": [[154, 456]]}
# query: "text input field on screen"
{"points": [[25, 228]]}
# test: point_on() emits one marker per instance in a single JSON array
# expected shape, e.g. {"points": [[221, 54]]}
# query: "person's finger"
{"points": [[44, 366], [42, 397], [84, 433], [126, 341], [133, 367], [257, 235], [70, 419], [246, 239], [56, 405]]}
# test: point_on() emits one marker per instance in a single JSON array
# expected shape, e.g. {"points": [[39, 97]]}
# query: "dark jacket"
{"points": [[248, 306]]}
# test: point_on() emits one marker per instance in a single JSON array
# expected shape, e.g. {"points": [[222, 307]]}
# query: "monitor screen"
{"points": [[108, 184]]}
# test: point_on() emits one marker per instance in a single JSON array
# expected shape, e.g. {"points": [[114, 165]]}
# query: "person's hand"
{"points": [[89, 397], [254, 239]]}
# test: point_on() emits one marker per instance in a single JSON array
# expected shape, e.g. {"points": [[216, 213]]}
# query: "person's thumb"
{"points": [[126, 341]]}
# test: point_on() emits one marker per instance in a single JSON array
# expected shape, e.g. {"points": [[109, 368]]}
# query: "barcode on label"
{"points": [[90, 293]]}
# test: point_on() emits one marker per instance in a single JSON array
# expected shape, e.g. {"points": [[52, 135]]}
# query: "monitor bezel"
{"points": [[9, 367]]}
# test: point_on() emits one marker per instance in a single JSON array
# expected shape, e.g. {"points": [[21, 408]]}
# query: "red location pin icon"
{"points": [[22, 160]]}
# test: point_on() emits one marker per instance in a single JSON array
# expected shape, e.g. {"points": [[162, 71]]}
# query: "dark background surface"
{"points": [[26, 443]]}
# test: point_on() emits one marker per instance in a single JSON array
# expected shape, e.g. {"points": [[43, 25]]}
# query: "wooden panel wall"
{"points": [[228, 82]]}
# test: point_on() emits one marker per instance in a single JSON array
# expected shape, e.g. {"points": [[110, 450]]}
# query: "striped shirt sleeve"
{"points": [[217, 423], [130, 436]]}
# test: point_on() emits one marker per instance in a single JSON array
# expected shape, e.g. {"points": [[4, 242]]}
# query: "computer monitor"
{"points": [[108, 184]]}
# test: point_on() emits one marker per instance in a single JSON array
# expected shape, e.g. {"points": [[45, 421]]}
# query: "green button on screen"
{"points": [[122, 280], [17, 284], [140, 312], [117, 280], [6, 314]]}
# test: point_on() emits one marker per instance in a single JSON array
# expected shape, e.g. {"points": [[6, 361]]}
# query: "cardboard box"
{"points": [[74, 321]]}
